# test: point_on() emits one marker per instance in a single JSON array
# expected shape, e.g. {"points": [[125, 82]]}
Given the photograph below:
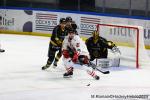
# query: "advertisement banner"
{"points": [[16, 20], [44, 22], [6, 21]]}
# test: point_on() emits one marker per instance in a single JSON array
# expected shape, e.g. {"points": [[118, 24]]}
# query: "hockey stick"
{"points": [[104, 72], [95, 67]]}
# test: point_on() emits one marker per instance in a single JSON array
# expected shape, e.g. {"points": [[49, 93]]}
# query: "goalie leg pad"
{"points": [[104, 63], [115, 62]]}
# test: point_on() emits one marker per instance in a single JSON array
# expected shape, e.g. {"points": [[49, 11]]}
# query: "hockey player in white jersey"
{"points": [[74, 50]]}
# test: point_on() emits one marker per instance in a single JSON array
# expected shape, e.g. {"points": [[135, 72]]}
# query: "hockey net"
{"points": [[130, 40]]}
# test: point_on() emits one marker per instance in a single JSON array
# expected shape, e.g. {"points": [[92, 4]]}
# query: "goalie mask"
{"points": [[95, 35]]}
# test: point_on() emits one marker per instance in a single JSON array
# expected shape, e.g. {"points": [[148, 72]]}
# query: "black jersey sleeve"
{"points": [[55, 36], [54, 33]]}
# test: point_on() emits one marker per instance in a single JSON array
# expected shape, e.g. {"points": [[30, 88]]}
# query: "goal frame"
{"points": [[137, 37]]}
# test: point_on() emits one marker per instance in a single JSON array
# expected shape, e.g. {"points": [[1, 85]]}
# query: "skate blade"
{"points": [[54, 66], [70, 76], [45, 68]]}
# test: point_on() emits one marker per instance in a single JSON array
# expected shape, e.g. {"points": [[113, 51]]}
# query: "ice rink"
{"points": [[21, 77]]}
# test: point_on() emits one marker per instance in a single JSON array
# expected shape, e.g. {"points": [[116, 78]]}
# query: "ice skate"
{"points": [[45, 67], [2, 50], [55, 65], [68, 74]]}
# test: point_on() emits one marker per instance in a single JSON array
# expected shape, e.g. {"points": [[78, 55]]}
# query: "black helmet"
{"points": [[68, 19], [62, 20], [70, 30]]}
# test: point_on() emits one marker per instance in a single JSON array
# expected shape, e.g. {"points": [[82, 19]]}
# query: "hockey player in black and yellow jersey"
{"points": [[58, 35], [98, 46]]}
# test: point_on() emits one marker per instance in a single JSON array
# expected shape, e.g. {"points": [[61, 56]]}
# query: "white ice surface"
{"points": [[21, 77]]}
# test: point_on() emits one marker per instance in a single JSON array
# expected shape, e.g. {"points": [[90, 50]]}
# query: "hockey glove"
{"points": [[65, 53], [75, 57]]}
